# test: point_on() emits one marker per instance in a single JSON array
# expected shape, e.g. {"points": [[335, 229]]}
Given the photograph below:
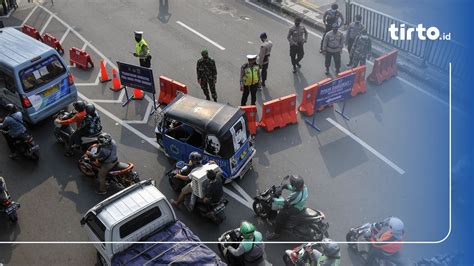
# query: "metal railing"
{"points": [[436, 53]]}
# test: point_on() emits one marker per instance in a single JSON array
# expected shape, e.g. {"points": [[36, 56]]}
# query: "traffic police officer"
{"points": [[249, 80], [264, 55], [142, 51], [332, 47], [207, 75]]}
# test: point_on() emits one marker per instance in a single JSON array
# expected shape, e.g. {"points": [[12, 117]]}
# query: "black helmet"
{"points": [[334, 6], [330, 248], [104, 139], [90, 108], [297, 182], [211, 174], [79, 106], [10, 108], [195, 157]]}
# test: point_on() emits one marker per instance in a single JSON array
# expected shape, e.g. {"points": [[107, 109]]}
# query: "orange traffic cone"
{"points": [[115, 81], [138, 94], [104, 77]]}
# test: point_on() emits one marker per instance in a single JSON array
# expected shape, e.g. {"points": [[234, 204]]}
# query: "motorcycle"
{"points": [[309, 224], [176, 183], [121, 175], [231, 238], [298, 255], [364, 233], [26, 146], [8, 206], [213, 212], [64, 132]]}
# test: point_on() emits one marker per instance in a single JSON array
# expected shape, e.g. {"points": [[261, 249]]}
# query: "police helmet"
{"points": [[79, 106], [330, 248], [195, 157], [297, 182], [104, 139], [247, 230]]}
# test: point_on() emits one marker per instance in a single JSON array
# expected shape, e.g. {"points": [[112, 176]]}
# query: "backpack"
{"points": [[93, 124]]}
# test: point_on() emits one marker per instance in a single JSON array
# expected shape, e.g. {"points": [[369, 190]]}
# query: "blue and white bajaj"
{"points": [[217, 131]]}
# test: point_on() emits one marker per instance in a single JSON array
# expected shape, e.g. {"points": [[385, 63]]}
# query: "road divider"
{"points": [[80, 58], [32, 32], [384, 68], [53, 42], [309, 97], [169, 89], [251, 114], [279, 113], [359, 85]]}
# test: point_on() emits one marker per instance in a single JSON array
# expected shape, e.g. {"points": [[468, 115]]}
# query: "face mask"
{"points": [[205, 56], [297, 24], [335, 31], [138, 39]]}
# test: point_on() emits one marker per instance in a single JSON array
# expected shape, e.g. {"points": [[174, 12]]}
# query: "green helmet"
{"points": [[204, 52], [247, 229]]}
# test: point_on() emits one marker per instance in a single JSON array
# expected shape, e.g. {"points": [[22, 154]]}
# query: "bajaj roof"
{"points": [[203, 115], [17, 48]]}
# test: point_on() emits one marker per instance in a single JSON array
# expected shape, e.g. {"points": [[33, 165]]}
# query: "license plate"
{"points": [[219, 208], [11, 209], [50, 91]]}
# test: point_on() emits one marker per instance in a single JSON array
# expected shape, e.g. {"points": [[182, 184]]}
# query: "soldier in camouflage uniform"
{"points": [[207, 75], [361, 50]]}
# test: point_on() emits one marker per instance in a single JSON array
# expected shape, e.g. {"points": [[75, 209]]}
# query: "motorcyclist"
{"points": [[293, 205], [106, 155], [195, 161], [251, 250], [214, 190], [386, 240], [329, 256], [15, 128], [92, 121], [78, 118]]}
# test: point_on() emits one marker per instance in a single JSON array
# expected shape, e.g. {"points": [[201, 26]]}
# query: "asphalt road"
{"points": [[383, 161]]}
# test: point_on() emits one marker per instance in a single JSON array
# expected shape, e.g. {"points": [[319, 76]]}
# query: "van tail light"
{"points": [[25, 102], [69, 79]]}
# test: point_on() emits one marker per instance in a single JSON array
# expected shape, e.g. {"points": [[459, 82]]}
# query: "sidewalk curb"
{"points": [[407, 63]]}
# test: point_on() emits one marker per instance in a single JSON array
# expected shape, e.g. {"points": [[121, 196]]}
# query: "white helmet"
{"points": [[396, 226]]}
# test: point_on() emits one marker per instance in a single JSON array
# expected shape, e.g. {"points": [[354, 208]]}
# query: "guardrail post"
{"points": [[426, 53], [348, 12]]}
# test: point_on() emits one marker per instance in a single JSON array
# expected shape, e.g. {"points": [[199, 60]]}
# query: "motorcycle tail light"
{"points": [[7, 202]]}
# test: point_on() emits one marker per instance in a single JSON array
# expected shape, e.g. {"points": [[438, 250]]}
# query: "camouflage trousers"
{"points": [[207, 85]]}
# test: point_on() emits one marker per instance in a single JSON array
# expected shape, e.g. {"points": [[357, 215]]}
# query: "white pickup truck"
{"points": [[142, 214]]}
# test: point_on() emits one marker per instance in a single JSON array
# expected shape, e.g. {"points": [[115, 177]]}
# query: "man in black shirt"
{"points": [[214, 191]]}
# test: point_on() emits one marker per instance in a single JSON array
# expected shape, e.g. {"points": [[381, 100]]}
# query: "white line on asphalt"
{"points": [[242, 192], [29, 15], [369, 62], [84, 46], [367, 146], [85, 85], [238, 198], [64, 35], [109, 114], [46, 25], [200, 35]]}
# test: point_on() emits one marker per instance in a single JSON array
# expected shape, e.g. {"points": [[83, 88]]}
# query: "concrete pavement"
{"points": [[350, 183]]}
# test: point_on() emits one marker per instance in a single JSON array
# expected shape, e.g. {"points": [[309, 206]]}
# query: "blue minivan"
{"points": [[33, 76]]}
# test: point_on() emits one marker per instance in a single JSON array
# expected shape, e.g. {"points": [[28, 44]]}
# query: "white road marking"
{"points": [[201, 35], [238, 198], [29, 15], [367, 146], [46, 25], [369, 62], [64, 36], [96, 82], [242, 192], [84, 46]]}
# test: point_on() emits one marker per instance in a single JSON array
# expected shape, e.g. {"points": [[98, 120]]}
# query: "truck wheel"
{"points": [[101, 259]]}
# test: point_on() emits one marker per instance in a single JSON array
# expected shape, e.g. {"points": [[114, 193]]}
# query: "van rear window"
{"points": [[41, 73]]}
